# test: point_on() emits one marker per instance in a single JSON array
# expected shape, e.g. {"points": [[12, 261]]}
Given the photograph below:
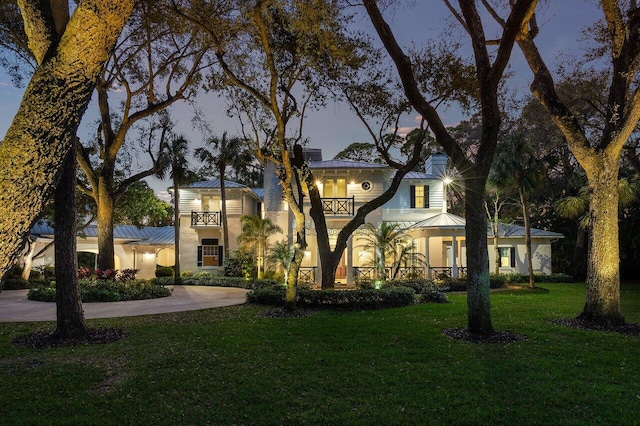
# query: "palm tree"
{"points": [[180, 174], [516, 166], [390, 244], [223, 152], [255, 235], [280, 255]]}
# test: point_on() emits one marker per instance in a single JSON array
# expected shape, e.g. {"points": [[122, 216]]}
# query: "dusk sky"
{"points": [[336, 127]]}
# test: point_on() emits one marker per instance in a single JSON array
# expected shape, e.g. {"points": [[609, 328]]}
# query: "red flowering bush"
{"points": [[107, 274]]}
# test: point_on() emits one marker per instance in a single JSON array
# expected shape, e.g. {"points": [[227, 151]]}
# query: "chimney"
{"points": [[436, 164]]}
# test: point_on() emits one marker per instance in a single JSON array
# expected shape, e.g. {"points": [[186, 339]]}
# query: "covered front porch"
{"points": [[439, 241]]}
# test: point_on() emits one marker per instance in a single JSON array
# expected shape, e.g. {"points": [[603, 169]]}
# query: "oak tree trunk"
{"points": [[106, 204], [36, 143], [69, 313], [299, 247], [603, 269], [28, 259], [478, 287]]}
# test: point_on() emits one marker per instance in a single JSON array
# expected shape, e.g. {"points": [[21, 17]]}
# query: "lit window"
{"points": [[507, 257], [209, 253], [419, 197]]}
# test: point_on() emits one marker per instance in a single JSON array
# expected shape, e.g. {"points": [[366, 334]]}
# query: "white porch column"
{"points": [[318, 277], [426, 257], [455, 257], [350, 260]]}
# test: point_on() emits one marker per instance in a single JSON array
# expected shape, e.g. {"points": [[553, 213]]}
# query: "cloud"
{"points": [[116, 88], [164, 195]]}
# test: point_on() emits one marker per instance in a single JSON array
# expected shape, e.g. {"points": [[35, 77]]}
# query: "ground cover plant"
{"points": [[392, 366]]}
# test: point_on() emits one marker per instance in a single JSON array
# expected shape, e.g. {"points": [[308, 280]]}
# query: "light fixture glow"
{"points": [[447, 180]]}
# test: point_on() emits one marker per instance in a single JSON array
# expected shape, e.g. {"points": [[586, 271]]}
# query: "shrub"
{"points": [[15, 272], [123, 275], [434, 296], [48, 272], [164, 271], [538, 278], [15, 284], [341, 299], [420, 286], [241, 264], [106, 291], [217, 281]]}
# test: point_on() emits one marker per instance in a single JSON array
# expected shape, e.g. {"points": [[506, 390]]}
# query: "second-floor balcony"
{"points": [[339, 206], [206, 219]]}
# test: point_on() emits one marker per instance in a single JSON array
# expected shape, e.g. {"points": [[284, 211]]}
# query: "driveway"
{"points": [[14, 306]]}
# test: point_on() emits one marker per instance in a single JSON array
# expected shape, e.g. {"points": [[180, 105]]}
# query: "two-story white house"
{"points": [[419, 207]]}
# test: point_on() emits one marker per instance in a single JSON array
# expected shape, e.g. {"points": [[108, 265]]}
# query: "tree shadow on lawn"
{"points": [[47, 339], [630, 329]]}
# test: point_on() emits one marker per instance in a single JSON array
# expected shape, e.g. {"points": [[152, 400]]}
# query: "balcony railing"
{"points": [[339, 206], [206, 218]]}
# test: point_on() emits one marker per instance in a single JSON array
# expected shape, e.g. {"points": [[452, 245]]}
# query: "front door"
{"points": [[341, 272]]}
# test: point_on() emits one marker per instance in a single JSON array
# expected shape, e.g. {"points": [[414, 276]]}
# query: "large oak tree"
{"points": [[474, 169], [39, 138], [599, 152]]}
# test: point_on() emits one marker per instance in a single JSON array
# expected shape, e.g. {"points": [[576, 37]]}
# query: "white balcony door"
{"points": [[334, 188]]}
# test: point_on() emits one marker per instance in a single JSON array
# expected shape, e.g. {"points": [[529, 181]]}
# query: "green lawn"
{"points": [[231, 366]]}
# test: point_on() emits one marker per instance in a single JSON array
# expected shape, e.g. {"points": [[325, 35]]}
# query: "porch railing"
{"points": [[447, 271], [339, 206], [206, 218], [307, 274], [402, 273]]}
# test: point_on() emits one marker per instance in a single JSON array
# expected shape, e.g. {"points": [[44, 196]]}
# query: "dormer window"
{"points": [[419, 196]]}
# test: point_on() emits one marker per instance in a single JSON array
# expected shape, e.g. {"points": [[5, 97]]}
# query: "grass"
{"points": [[231, 366]]}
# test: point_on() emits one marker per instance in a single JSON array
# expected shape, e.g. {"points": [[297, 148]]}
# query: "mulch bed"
{"points": [[632, 329], [495, 337], [46, 339]]}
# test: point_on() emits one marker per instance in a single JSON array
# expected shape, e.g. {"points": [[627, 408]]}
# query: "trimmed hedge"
{"points": [[217, 281], [342, 299], [538, 278], [16, 284], [164, 271], [106, 291]]}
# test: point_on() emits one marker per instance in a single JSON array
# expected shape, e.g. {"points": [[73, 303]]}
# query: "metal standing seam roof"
{"points": [[346, 164], [420, 175], [451, 221], [259, 192], [211, 184], [147, 235], [442, 220]]}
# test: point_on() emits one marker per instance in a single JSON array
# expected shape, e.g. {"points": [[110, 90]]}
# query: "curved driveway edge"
{"points": [[15, 307]]}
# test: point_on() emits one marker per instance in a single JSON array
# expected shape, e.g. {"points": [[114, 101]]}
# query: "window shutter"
{"points": [[220, 255], [513, 257], [413, 196], [199, 255], [426, 197]]}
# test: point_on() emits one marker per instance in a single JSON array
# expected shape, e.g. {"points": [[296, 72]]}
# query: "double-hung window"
{"points": [[419, 196], [507, 257]]}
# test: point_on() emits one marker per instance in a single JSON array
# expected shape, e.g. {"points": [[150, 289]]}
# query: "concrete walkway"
{"points": [[14, 306]]}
